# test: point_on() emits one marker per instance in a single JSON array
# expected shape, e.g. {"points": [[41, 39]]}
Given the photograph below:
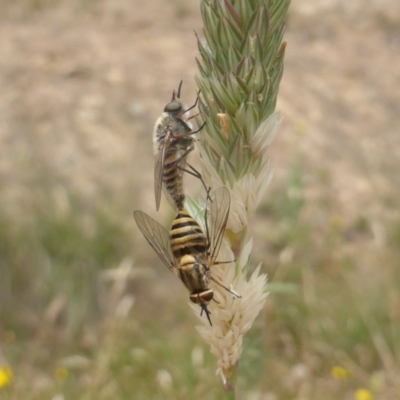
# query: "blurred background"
{"points": [[87, 311]]}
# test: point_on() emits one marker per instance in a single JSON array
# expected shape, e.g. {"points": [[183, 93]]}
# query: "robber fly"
{"points": [[173, 140], [187, 251]]}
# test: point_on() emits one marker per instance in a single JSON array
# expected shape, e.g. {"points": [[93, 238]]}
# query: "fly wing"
{"points": [[159, 169], [157, 236], [218, 210]]}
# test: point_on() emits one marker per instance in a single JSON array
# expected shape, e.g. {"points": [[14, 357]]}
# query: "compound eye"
{"points": [[207, 296], [203, 297], [195, 298], [174, 107]]}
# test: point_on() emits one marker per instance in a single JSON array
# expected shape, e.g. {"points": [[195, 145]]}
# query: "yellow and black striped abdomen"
{"points": [[173, 177], [186, 236]]}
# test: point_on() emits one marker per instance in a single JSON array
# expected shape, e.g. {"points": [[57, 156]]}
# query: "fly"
{"points": [[189, 252]]}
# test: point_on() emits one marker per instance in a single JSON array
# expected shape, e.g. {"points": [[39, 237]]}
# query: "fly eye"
{"points": [[203, 297], [174, 106], [207, 296], [195, 298]]}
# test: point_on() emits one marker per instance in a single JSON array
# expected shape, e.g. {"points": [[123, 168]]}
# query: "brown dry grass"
{"points": [[81, 84]]}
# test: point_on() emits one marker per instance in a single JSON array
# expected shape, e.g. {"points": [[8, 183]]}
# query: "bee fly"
{"points": [[187, 251], [172, 142]]}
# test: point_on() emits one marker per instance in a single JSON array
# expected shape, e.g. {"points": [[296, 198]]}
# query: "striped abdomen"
{"points": [[186, 236], [173, 177]]}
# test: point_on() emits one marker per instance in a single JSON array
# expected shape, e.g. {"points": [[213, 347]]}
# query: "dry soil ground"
{"points": [[82, 83]]}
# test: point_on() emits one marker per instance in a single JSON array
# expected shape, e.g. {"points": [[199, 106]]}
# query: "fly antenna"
{"points": [[206, 311], [178, 95]]}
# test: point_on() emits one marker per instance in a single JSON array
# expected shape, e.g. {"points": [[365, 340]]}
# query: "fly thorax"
{"points": [[193, 264], [161, 127], [187, 273], [194, 274], [187, 262], [181, 128]]}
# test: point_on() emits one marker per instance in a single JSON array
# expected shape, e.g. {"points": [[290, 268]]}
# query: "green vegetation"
{"points": [[334, 331]]}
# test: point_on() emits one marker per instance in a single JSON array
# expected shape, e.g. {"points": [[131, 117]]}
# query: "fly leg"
{"points": [[197, 174], [183, 135]]}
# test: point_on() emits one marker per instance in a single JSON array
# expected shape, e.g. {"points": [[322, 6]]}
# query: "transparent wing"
{"points": [[157, 236], [174, 151], [158, 171], [217, 217], [197, 211]]}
